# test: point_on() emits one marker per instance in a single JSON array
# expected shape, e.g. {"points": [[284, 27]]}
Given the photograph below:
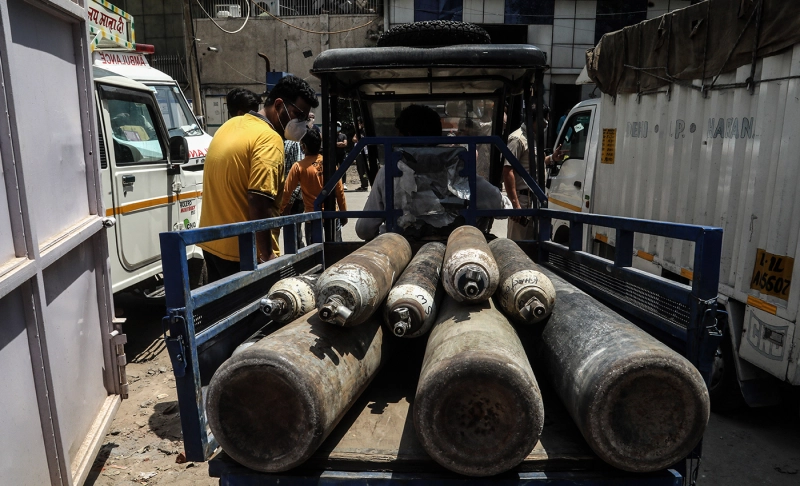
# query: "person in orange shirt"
{"points": [[307, 173]]}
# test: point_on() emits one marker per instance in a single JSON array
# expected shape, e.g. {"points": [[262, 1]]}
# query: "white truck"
{"points": [[721, 150], [141, 190]]}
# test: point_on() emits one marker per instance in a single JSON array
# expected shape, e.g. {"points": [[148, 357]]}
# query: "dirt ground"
{"points": [[144, 444]]}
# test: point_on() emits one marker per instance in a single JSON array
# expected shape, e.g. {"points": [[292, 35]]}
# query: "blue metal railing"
{"points": [[697, 338]]}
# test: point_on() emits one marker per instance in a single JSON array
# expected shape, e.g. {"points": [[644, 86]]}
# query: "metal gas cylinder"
{"points": [[351, 290], [290, 298], [271, 405], [258, 336], [640, 405], [469, 272], [525, 294], [478, 410], [413, 302]]}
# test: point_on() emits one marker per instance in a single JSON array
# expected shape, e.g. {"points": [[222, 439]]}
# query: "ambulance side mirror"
{"points": [[178, 150]]}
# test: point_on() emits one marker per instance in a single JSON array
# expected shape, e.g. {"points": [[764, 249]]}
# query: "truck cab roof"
{"points": [[109, 77], [590, 102], [140, 71], [411, 70]]}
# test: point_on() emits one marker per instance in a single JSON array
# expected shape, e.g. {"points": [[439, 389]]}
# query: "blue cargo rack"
{"points": [[204, 325]]}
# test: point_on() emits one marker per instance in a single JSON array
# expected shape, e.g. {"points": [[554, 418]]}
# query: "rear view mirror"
{"points": [[178, 150]]}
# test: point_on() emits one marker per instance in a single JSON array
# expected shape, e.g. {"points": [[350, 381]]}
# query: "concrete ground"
{"points": [[750, 447]]}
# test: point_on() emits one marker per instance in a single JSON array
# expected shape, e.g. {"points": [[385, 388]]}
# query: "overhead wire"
{"points": [[315, 31], [247, 17], [258, 6]]}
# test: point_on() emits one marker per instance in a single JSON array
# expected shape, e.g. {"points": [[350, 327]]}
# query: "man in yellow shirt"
{"points": [[243, 176]]}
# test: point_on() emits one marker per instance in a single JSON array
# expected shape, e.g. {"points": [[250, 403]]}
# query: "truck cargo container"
{"points": [[718, 150]]}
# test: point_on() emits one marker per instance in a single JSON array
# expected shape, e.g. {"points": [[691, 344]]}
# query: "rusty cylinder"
{"points": [[640, 406], [478, 410], [413, 302], [271, 405], [525, 295], [290, 298], [351, 290], [469, 272]]}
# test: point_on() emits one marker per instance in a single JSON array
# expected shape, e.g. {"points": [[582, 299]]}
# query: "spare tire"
{"points": [[434, 33]]}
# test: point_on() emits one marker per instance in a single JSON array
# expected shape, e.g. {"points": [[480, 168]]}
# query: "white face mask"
{"points": [[295, 129]]}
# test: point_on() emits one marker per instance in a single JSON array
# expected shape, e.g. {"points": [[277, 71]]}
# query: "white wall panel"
{"points": [[473, 11], [561, 57], [564, 22], [77, 360], [6, 238], [541, 36], [494, 12], [24, 459], [402, 12], [43, 44]]}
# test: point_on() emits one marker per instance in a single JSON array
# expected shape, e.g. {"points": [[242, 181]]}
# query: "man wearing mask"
{"points": [[243, 177]]}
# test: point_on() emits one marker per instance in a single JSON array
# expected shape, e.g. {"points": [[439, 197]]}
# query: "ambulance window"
{"points": [[574, 135], [177, 115], [134, 133]]}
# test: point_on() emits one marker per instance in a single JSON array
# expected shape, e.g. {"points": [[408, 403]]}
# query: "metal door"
{"points": [[61, 375], [142, 191], [567, 187]]}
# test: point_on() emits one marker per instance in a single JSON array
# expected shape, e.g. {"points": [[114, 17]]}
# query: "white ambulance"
{"points": [[114, 49], [145, 191]]}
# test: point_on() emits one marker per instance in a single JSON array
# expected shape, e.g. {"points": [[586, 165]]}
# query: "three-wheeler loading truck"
{"points": [[375, 441]]}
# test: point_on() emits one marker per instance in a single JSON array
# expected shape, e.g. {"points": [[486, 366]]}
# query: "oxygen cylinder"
{"points": [[525, 295], [640, 405], [469, 272], [351, 290], [290, 298], [413, 302], [478, 410], [271, 405]]}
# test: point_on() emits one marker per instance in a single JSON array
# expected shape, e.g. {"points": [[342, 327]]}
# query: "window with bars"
{"points": [[234, 9]]}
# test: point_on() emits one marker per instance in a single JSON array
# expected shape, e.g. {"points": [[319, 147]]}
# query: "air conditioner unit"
{"points": [[228, 10]]}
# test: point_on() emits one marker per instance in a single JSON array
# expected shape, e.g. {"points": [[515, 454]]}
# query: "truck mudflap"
{"points": [[203, 326]]}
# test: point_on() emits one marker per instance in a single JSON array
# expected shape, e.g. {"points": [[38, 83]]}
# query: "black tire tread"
{"points": [[434, 33]]}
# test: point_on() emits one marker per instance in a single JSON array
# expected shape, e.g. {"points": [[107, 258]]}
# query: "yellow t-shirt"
{"points": [[246, 154]]}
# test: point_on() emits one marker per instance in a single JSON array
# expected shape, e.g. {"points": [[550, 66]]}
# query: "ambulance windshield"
{"points": [[176, 112]]}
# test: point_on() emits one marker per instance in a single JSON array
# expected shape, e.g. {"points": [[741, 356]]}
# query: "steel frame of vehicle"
{"points": [[697, 340]]}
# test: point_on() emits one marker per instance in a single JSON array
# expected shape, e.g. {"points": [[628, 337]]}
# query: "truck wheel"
{"points": [[724, 390], [434, 33], [198, 273]]}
